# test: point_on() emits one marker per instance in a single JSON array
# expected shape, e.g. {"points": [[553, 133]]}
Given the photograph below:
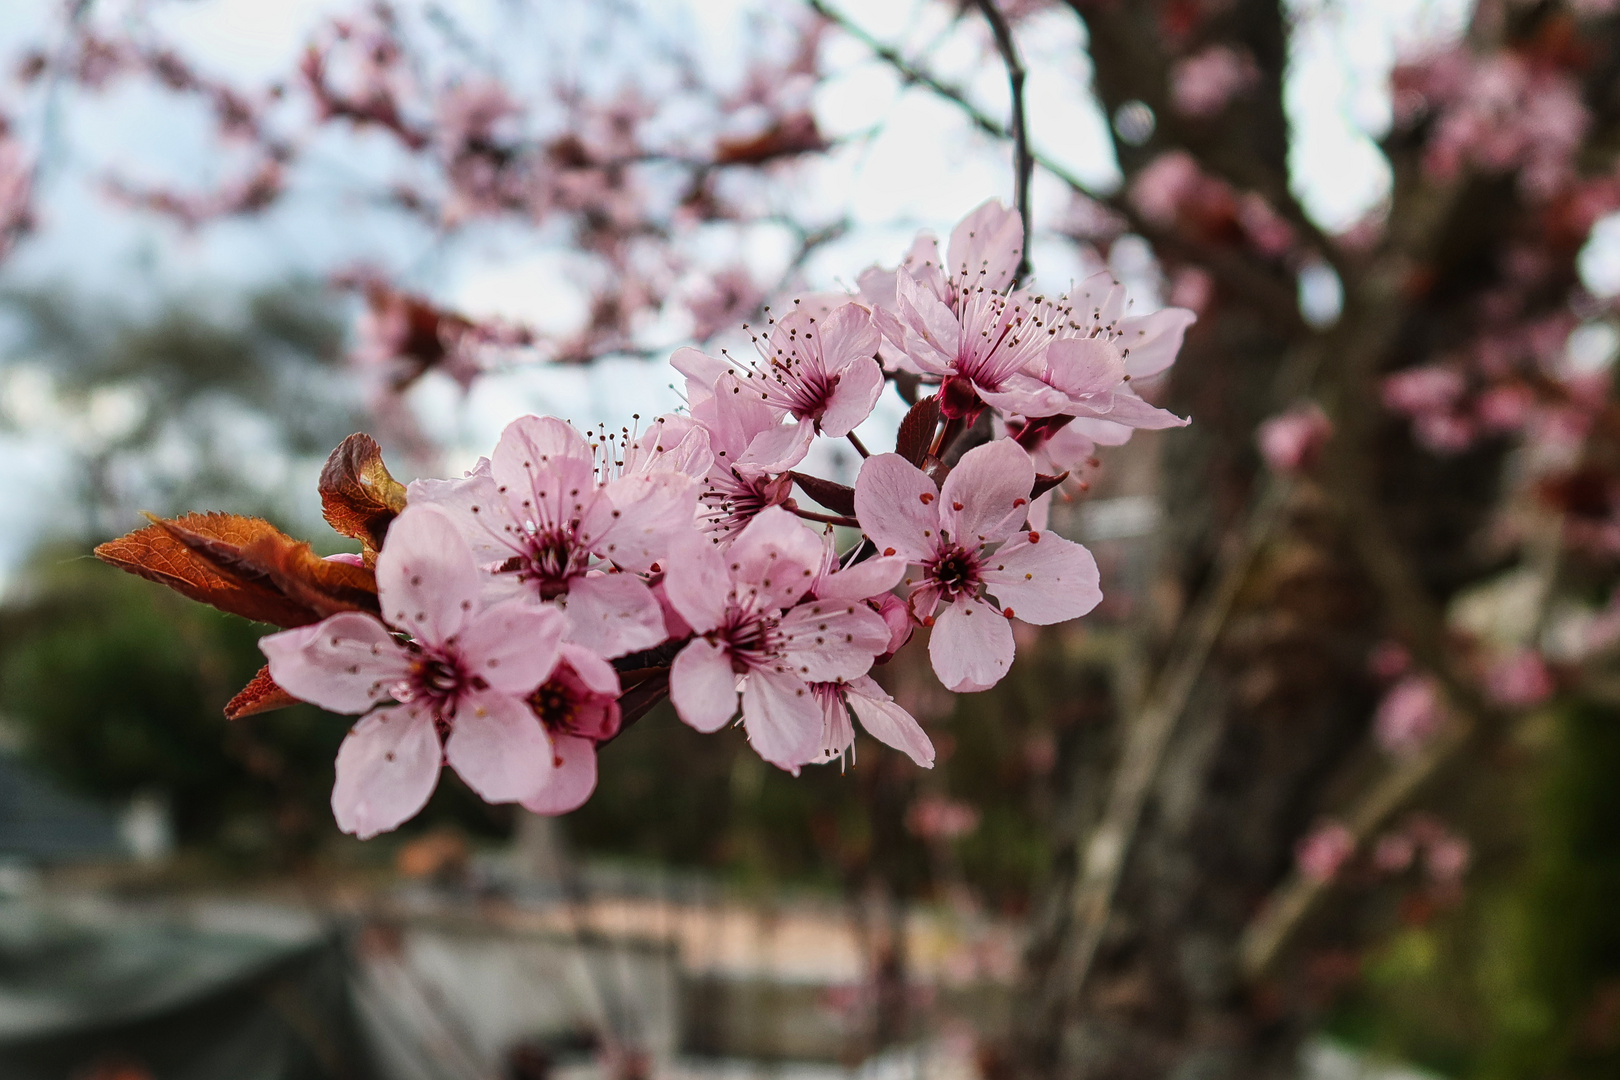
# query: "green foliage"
{"points": [[1522, 980], [117, 686]]}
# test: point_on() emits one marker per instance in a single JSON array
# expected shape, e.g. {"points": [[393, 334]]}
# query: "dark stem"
{"points": [[828, 519], [860, 448], [1023, 162]]}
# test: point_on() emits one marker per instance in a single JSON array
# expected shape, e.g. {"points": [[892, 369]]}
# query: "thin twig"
{"points": [[1023, 163], [1264, 938], [825, 519], [860, 447], [1147, 737]]}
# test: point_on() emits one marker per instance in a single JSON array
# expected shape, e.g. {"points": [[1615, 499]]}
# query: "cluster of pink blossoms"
{"points": [[513, 599]]}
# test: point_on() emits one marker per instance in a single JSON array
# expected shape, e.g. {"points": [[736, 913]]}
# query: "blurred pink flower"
{"points": [[1324, 850], [1520, 680], [1291, 442], [1409, 715], [1202, 84], [938, 817]]}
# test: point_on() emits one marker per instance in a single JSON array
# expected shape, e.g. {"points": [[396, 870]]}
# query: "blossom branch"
{"points": [[1023, 163]]}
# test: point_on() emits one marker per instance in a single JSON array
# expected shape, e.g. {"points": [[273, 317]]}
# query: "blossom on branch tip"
{"points": [[453, 694], [969, 541], [556, 518]]}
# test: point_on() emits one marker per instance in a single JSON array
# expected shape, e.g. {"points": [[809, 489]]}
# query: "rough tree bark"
{"points": [[1273, 732]]}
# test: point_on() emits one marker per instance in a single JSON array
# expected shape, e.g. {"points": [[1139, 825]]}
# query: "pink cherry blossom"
{"points": [[1519, 681], [880, 715], [1094, 351], [1409, 715], [761, 633], [820, 371], [959, 321], [579, 707], [454, 694], [554, 519], [1324, 851], [752, 446], [968, 540]]}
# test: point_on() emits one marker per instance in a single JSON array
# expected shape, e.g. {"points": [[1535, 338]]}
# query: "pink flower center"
{"points": [[790, 375], [753, 638], [731, 501], [438, 678], [954, 570], [552, 560], [556, 705]]}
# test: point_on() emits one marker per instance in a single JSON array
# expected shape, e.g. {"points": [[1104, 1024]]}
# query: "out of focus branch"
{"points": [[1276, 298], [1023, 164], [1148, 734]]}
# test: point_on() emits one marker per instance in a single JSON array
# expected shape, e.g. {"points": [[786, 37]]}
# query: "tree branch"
{"points": [[1023, 163], [1148, 735]]}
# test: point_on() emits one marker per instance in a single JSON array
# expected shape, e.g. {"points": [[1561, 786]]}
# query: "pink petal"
{"points": [[1101, 432], [545, 469], [478, 510], [782, 718], [633, 525], [702, 371], [777, 448], [596, 673], [387, 767], [733, 419], [827, 641], [932, 332], [703, 687], [512, 646], [986, 247], [898, 506], [986, 496], [868, 578], [346, 663], [572, 781], [1081, 367], [775, 557], [887, 722], [852, 400], [1100, 299], [837, 732], [971, 646], [613, 614], [1025, 395], [847, 336], [1048, 581], [1124, 407], [427, 582], [499, 747], [696, 583], [1151, 342]]}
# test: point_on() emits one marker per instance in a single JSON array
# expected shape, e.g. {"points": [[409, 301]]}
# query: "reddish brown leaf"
{"points": [[260, 695], [244, 566], [358, 495], [917, 431], [322, 585], [158, 554], [839, 498]]}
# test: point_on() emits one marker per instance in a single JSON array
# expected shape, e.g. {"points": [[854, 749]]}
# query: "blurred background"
{"points": [[1328, 787]]}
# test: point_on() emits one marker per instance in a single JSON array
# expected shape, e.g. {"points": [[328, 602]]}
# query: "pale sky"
{"points": [[912, 162]]}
